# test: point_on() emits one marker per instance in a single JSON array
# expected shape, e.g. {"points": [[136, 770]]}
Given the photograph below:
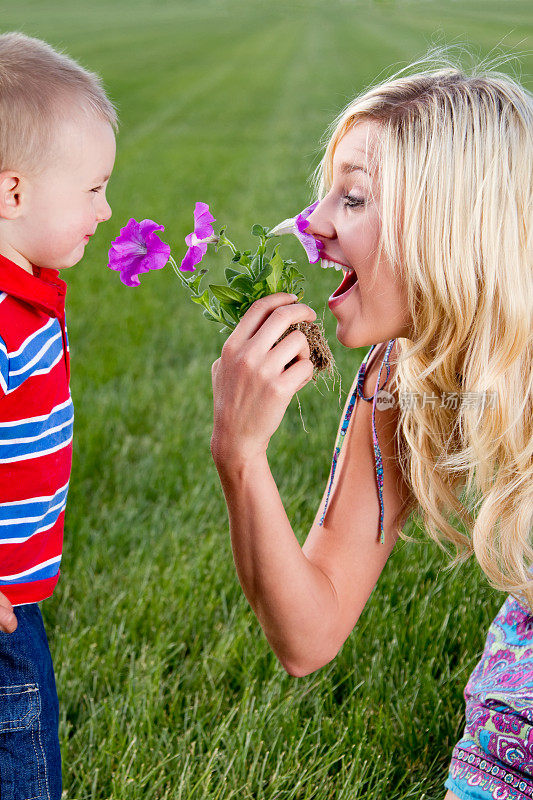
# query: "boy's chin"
{"points": [[67, 266], [71, 261]]}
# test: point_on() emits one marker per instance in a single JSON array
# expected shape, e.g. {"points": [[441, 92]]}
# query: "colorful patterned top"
{"points": [[494, 758], [358, 392]]}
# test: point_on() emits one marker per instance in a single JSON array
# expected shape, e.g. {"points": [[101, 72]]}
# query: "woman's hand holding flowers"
{"points": [[259, 371], [256, 376]]}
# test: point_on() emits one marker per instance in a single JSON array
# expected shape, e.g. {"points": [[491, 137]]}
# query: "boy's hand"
{"points": [[8, 620]]}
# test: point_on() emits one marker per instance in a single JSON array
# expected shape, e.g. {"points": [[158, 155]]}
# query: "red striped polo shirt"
{"points": [[36, 422]]}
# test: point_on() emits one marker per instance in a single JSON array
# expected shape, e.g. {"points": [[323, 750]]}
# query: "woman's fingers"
{"points": [[279, 320], [256, 376], [295, 377], [292, 346], [259, 312]]}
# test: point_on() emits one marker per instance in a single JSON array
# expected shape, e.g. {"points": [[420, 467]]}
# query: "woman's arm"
{"points": [[308, 599]]}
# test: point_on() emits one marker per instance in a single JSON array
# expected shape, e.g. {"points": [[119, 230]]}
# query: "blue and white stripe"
{"points": [[47, 569], [37, 436], [38, 355], [22, 519]]}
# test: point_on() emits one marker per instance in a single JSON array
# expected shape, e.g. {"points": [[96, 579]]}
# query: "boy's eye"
{"points": [[96, 189], [352, 202]]}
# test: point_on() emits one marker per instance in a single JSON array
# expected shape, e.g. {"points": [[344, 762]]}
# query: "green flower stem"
{"points": [[178, 272], [248, 277], [225, 242]]}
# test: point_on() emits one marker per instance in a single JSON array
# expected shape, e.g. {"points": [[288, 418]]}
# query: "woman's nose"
{"points": [[320, 224]]}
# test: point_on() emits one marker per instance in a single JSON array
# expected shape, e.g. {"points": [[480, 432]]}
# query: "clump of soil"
{"points": [[320, 354]]}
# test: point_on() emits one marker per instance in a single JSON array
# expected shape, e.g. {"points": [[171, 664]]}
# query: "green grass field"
{"points": [[167, 686]]}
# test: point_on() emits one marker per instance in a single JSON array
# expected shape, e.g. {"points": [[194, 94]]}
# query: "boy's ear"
{"points": [[10, 194]]}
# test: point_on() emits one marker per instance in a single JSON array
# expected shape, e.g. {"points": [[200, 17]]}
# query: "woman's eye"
{"points": [[96, 189], [353, 202]]}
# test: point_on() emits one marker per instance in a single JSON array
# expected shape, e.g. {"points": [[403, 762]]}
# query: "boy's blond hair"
{"points": [[39, 88]]}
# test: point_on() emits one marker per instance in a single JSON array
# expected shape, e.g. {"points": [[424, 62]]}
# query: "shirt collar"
{"points": [[43, 290]]}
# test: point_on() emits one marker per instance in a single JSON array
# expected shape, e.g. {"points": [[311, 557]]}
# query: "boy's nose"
{"points": [[104, 212]]}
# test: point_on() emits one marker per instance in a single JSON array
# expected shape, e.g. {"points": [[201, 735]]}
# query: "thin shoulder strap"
{"points": [[358, 392]]}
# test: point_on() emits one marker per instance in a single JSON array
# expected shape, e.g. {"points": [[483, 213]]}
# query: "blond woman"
{"points": [[425, 202]]}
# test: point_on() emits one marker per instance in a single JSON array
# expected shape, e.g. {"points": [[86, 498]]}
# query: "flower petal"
{"points": [[148, 226], [301, 219], [297, 226], [311, 245], [203, 220], [287, 226], [138, 249], [193, 256]]}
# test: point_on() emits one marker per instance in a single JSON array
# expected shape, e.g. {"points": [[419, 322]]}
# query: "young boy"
{"points": [[57, 149]]}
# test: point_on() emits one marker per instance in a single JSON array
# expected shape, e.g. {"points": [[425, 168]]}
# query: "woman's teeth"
{"points": [[325, 263]]}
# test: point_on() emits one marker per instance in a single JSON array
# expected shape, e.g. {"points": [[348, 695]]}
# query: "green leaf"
{"points": [[263, 274], [232, 312], [194, 283], [231, 273], [276, 262], [261, 290], [202, 300], [244, 283], [229, 322], [208, 315], [293, 274], [245, 306], [226, 293], [258, 230]]}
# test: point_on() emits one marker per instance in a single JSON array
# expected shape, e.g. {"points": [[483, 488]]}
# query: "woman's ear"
{"points": [[10, 194]]}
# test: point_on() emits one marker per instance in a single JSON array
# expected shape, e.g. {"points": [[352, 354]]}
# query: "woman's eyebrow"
{"points": [[346, 168]]}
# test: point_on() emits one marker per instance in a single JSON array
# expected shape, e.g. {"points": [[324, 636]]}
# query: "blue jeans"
{"points": [[30, 760]]}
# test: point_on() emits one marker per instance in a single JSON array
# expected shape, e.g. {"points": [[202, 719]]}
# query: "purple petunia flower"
{"points": [[297, 225], [312, 246], [138, 249], [201, 236]]}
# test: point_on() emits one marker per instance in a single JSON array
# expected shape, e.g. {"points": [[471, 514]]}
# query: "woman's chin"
{"points": [[344, 337], [352, 339]]}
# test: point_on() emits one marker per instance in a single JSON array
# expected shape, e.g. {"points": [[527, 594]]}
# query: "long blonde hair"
{"points": [[455, 169]]}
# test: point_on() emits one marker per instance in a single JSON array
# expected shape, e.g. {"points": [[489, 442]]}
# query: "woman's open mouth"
{"points": [[349, 282]]}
